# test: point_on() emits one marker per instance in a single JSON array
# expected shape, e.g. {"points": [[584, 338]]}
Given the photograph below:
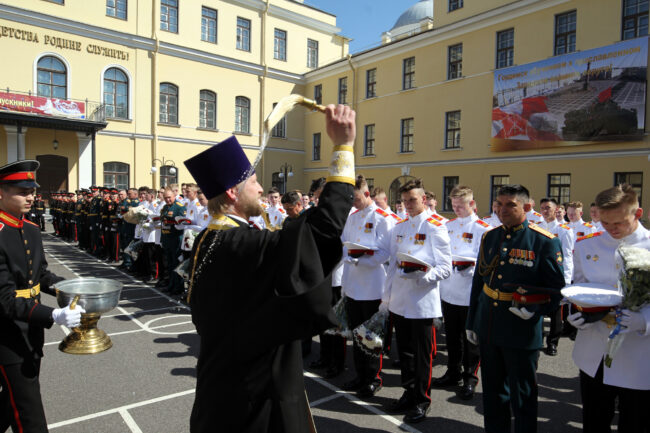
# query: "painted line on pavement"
{"points": [[325, 400], [364, 404], [130, 422], [119, 409]]}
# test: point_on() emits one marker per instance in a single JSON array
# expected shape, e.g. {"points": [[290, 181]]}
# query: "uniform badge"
{"points": [[400, 238], [419, 238], [588, 256], [595, 258], [368, 227], [559, 257], [170, 213], [467, 237]]}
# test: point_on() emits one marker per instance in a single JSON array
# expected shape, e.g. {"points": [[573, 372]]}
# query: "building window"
{"points": [[168, 175], [168, 103], [343, 90], [455, 68], [52, 78], [635, 18], [277, 181], [634, 179], [406, 143], [315, 155], [559, 187], [370, 181], [408, 73], [505, 48], [209, 25], [371, 83], [312, 53], [242, 114], [280, 129], [280, 45], [452, 126], [243, 34], [169, 15], [116, 175], [207, 109], [369, 141], [448, 183], [455, 4], [565, 33], [318, 93], [116, 8], [496, 182], [116, 94]]}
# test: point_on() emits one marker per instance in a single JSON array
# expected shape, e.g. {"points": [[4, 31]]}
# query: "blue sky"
{"points": [[363, 20]]}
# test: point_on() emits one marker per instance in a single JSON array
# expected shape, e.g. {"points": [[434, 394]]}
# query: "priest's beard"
{"points": [[249, 206]]}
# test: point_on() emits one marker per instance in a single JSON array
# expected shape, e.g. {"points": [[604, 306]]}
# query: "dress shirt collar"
{"points": [[422, 216], [467, 219], [638, 235]]}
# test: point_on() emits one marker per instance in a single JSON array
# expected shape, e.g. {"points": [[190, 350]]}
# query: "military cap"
{"points": [[20, 173]]}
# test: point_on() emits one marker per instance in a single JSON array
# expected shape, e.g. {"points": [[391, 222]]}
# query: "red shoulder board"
{"points": [[354, 212], [564, 226], [482, 223], [382, 212], [453, 219], [396, 217], [592, 235], [486, 217], [434, 222], [537, 213], [437, 217], [403, 221], [281, 209], [588, 225], [34, 224]]}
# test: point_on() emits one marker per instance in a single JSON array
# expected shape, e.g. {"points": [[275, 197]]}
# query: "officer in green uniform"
{"points": [[94, 220], [127, 229], [516, 282], [170, 239]]}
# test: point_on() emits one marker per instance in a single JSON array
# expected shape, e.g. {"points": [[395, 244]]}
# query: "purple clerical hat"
{"points": [[220, 167]]}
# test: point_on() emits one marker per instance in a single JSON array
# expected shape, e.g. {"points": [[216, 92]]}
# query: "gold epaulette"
{"points": [[538, 229], [434, 222], [482, 223], [589, 236]]}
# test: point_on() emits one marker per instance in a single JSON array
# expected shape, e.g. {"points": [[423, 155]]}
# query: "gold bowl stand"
{"points": [[87, 339]]}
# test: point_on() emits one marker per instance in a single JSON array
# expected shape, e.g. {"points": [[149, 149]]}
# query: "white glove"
{"points": [[522, 312], [351, 260], [383, 307], [577, 321], [67, 317], [472, 337], [632, 321], [410, 275]]}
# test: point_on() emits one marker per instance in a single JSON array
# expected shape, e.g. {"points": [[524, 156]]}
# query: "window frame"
{"points": [[447, 186], [454, 67], [165, 178], [509, 50], [167, 103], [638, 187], [454, 5], [316, 146], [126, 83], [557, 190], [343, 90], [408, 73], [636, 16], [371, 86], [369, 140], [494, 187], [170, 9], [280, 54], [205, 24], [204, 109], [312, 53], [449, 130], [51, 73], [407, 139], [318, 93], [557, 35], [115, 174], [115, 8], [280, 129], [242, 112], [243, 37]]}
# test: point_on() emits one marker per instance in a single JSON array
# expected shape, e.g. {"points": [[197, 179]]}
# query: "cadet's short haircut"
{"points": [[173, 185], [192, 186], [360, 183], [133, 189], [548, 200], [574, 204], [593, 203], [398, 201], [462, 191], [291, 197], [169, 188], [377, 191], [273, 190], [519, 192], [615, 197], [198, 191], [317, 184], [430, 195], [143, 189], [412, 184]]}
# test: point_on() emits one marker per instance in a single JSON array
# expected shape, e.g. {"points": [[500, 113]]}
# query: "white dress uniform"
{"points": [[148, 227], [371, 228], [157, 207], [193, 208], [402, 215], [581, 228], [568, 240], [534, 217], [465, 236], [425, 238], [435, 215], [597, 226], [493, 220], [277, 214], [594, 260]]}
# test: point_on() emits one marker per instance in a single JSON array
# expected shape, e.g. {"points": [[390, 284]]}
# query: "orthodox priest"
{"points": [[255, 294]]}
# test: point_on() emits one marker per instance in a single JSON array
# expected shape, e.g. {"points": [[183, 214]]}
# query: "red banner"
{"points": [[41, 105]]}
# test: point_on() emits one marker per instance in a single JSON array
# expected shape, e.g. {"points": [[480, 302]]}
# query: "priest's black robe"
{"points": [[255, 295]]}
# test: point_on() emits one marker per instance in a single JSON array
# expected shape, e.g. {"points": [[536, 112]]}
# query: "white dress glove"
{"points": [[522, 312], [383, 307], [67, 317], [472, 337], [577, 321], [632, 321], [351, 260]]}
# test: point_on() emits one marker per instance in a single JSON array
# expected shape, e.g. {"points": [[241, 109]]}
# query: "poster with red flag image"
{"points": [[42, 105], [585, 97]]}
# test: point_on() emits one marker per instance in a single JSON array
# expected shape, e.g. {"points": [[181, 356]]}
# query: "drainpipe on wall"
{"points": [[93, 158], [262, 79], [154, 105], [354, 83]]}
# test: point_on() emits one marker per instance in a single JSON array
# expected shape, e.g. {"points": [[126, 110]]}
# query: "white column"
{"points": [[85, 165], [15, 143]]}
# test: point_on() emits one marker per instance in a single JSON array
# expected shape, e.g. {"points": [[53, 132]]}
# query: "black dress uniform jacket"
{"points": [[258, 294], [22, 266]]}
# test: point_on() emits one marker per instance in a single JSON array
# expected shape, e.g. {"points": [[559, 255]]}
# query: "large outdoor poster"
{"points": [[42, 105], [584, 97]]}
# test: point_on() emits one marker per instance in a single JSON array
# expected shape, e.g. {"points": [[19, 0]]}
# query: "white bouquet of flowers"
{"points": [[134, 249], [188, 239], [137, 214], [341, 313], [370, 334], [634, 284]]}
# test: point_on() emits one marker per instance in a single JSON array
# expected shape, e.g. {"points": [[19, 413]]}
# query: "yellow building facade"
{"points": [[121, 92], [424, 108]]}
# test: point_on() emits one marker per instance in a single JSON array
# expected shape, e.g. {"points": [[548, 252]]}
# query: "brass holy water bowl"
{"points": [[97, 296]]}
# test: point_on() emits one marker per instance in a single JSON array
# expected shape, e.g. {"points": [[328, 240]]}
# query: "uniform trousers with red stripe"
{"points": [[368, 367], [463, 356], [416, 346], [20, 398]]}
